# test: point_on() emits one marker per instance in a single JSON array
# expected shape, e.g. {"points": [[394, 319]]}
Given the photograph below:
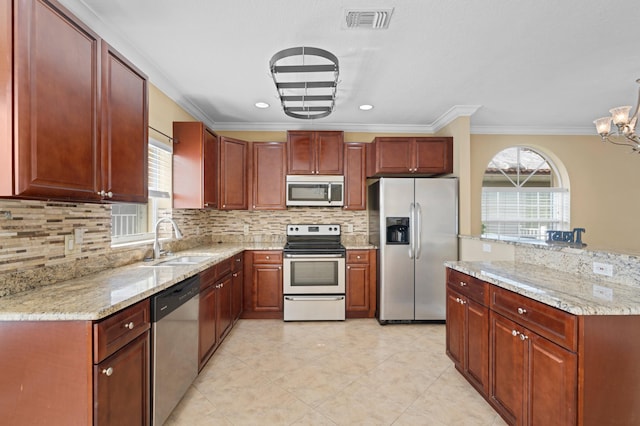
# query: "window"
{"points": [[523, 196], [134, 222]]}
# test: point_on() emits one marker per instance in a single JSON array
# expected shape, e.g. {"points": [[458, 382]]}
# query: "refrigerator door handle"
{"points": [[412, 212], [418, 209]]}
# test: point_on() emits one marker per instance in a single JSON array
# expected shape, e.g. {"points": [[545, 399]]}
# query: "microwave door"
{"points": [[308, 192]]}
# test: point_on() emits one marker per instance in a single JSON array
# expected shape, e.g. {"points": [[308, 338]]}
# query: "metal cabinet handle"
{"points": [[108, 371], [348, 267], [235, 274], [514, 333], [267, 257], [129, 325], [523, 337], [357, 257], [522, 311], [462, 284]]}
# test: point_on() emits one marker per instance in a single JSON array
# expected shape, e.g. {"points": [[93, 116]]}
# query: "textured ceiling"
{"points": [[515, 66]]}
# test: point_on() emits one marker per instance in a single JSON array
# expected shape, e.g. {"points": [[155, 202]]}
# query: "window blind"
{"points": [[160, 163]]}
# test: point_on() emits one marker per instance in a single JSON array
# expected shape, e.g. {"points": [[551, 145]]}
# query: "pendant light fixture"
{"points": [[625, 134]]}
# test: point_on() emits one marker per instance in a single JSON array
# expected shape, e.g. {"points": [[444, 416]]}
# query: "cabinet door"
{"points": [[56, 137], [267, 288], [357, 286], [210, 170], [301, 153], [393, 155], [224, 319], [236, 297], [233, 174], [433, 155], [455, 329], [477, 345], [207, 324], [355, 176], [507, 369], [553, 383], [121, 386], [269, 176], [329, 153], [124, 129]]}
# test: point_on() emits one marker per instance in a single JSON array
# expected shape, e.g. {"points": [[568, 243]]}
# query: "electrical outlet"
{"points": [[603, 292], [486, 248], [69, 245], [350, 227], [603, 269], [246, 228]]}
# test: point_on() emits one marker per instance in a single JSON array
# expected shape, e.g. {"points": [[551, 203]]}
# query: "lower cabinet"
{"points": [[121, 382], [361, 283], [263, 284], [533, 381]]}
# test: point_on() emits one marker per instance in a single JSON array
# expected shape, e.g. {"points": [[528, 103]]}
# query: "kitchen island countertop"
{"points": [[568, 292]]}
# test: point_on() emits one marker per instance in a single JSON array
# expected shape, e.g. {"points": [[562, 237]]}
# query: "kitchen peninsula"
{"points": [[545, 346]]}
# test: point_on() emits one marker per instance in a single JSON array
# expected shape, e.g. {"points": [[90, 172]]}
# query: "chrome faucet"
{"points": [[157, 249]]}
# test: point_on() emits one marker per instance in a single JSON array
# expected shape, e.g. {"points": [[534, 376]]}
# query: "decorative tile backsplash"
{"points": [[32, 236]]}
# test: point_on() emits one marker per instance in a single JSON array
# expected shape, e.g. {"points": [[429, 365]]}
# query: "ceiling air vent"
{"points": [[368, 19]]}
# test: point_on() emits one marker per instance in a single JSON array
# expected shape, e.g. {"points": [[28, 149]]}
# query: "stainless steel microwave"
{"points": [[303, 190]]}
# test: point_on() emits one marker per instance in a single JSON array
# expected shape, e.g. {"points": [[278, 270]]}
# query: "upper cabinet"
{"points": [[195, 166], [208, 171], [312, 153], [233, 174], [58, 141], [269, 167], [124, 126], [411, 156], [355, 176]]}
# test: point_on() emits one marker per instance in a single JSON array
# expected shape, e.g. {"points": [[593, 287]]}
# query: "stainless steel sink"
{"points": [[182, 261]]}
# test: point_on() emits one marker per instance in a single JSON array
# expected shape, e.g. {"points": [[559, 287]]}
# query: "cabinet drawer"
{"points": [[208, 277], [236, 263], [267, 257], [114, 332], [469, 286], [357, 256], [558, 326], [224, 268]]}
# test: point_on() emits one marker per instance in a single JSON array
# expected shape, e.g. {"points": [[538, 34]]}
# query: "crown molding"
{"points": [[532, 130]]}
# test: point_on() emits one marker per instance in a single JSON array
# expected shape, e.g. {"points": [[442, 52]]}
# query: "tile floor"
{"points": [[268, 372]]}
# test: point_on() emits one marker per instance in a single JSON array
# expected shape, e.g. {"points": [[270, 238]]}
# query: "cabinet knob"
{"points": [[235, 275], [206, 204], [357, 257], [522, 311], [238, 259], [224, 205], [462, 284], [108, 371], [279, 267], [514, 333], [348, 267], [267, 257], [129, 325], [523, 337]]}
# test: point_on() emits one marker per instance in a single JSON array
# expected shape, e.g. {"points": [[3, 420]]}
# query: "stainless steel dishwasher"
{"points": [[174, 316]]}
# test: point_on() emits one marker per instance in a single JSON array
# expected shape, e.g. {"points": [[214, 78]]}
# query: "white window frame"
{"points": [[514, 220]]}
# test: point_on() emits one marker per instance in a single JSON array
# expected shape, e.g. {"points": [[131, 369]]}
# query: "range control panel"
{"points": [[313, 229]]}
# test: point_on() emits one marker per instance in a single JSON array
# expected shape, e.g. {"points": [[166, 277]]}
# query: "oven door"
{"points": [[314, 274]]}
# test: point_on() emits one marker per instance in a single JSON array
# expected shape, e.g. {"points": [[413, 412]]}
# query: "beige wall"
{"points": [[603, 182]]}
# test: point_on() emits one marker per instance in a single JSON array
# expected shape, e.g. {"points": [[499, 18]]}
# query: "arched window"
{"points": [[523, 196]]}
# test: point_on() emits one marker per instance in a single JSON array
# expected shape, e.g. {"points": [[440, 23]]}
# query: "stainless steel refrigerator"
{"points": [[414, 223]]}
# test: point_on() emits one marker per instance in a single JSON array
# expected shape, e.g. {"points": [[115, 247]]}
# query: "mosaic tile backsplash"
{"points": [[32, 236]]}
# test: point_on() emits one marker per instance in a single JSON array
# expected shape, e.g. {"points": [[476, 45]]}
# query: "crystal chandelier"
{"points": [[626, 126]]}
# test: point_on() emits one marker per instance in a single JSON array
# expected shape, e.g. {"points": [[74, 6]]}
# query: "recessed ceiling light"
{"points": [[262, 105], [366, 107]]}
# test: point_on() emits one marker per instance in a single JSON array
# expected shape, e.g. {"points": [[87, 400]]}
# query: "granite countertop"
{"points": [[568, 292], [96, 296]]}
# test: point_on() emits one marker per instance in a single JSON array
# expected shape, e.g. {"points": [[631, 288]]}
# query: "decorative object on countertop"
{"points": [[571, 238], [306, 79], [626, 126]]}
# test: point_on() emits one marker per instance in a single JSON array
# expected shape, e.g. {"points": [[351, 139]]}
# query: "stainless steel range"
{"points": [[314, 273]]}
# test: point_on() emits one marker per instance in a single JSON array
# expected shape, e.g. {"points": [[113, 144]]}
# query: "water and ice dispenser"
{"points": [[397, 230]]}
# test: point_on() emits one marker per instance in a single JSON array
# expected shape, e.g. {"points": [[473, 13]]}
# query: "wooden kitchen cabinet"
{"points": [[269, 166], [467, 337], [263, 284], [355, 176], [533, 381], [58, 141], [315, 152], [233, 192], [237, 285], [124, 130], [195, 166], [361, 284], [411, 156]]}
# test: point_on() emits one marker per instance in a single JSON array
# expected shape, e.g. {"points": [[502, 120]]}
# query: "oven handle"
{"points": [[313, 256], [322, 298]]}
